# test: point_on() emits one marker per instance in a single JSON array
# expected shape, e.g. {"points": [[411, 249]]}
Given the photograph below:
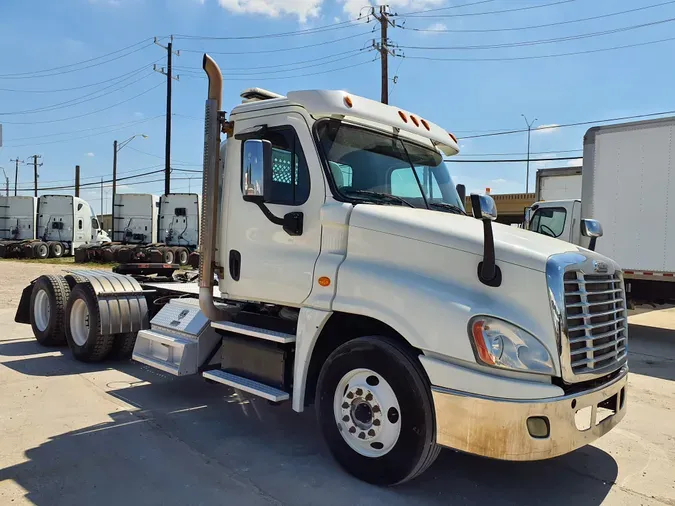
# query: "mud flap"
{"points": [[23, 311]]}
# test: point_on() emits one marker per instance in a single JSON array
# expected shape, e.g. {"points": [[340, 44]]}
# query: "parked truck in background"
{"points": [[339, 268], [61, 224], [150, 229], [628, 178], [558, 184]]}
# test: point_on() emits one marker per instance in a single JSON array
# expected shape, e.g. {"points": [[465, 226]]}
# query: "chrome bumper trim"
{"points": [[497, 428]]}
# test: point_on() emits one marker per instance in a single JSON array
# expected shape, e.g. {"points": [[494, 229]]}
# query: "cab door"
{"points": [[262, 261], [553, 219]]}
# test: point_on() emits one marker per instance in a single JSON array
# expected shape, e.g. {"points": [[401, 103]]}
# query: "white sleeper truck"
{"points": [[627, 178], [61, 224], [17, 224], [339, 268]]}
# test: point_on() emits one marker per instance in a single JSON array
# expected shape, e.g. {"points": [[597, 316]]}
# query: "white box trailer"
{"points": [[135, 218], [179, 220], [628, 177], [558, 184]]}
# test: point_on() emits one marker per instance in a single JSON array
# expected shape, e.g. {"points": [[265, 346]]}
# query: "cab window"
{"points": [[549, 221]]}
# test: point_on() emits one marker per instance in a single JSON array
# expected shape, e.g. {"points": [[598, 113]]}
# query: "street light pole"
{"points": [[527, 171], [117, 147]]}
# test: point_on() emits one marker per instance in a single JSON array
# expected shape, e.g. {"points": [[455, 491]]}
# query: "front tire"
{"points": [[375, 410], [47, 303], [83, 326]]}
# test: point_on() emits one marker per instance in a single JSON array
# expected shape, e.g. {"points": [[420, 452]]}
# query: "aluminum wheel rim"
{"points": [[43, 250], [367, 413], [42, 310], [79, 322]]}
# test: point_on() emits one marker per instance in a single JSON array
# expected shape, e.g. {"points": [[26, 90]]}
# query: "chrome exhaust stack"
{"points": [[210, 192]]}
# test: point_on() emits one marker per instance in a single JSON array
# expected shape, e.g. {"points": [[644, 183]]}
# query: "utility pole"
{"points": [[16, 171], [35, 172], [383, 48], [167, 148], [6, 182], [527, 171], [101, 196], [114, 191], [77, 180]]}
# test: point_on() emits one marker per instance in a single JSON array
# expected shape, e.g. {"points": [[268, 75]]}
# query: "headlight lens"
{"points": [[500, 344]]}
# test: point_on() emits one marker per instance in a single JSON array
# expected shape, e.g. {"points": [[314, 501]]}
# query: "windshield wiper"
{"points": [[380, 195], [449, 207]]}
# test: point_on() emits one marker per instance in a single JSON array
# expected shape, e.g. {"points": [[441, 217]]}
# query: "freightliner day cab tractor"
{"points": [[627, 179], [348, 276], [51, 226]]}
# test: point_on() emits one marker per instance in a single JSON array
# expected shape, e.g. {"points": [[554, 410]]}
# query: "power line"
{"points": [[541, 56], [293, 76], [79, 100], [544, 41], [198, 70], [560, 158], [444, 8], [309, 31], [13, 90], [96, 183], [579, 123], [417, 14], [279, 50], [82, 115], [35, 76], [98, 178], [532, 27]]}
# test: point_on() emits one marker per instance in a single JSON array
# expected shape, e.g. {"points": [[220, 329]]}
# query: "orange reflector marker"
{"points": [[452, 137], [403, 116], [414, 120], [426, 125], [324, 281], [477, 331], [348, 101]]}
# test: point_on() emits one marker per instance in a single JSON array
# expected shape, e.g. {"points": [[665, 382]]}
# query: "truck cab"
{"points": [[560, 219]]}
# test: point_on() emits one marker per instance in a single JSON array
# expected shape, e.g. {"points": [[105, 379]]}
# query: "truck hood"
{"points": [[513, 245]]}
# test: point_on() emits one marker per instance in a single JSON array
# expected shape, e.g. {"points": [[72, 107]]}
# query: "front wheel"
{"points": [[375, 410]]}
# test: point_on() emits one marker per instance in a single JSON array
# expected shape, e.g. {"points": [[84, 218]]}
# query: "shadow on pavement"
{"points": [[196, 443], [651, 351], [21, 347]]}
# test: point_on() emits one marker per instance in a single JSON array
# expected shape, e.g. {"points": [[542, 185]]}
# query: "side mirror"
{"points": [[461, 191], [256, 169], [593, 229], [485, 209]]}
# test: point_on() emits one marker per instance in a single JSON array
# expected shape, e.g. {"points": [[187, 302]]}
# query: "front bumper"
{"points": [[498, 428]]}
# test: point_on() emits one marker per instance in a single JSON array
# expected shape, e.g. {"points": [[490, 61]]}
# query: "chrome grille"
{"points": [[596, 324]]}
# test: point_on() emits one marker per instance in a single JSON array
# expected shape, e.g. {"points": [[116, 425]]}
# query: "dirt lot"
{"points": [[121, 433]]}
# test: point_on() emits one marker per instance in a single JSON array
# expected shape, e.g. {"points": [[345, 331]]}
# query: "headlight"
{"points": [[501, 344]]}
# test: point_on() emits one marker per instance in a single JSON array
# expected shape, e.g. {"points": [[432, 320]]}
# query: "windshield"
{"points": [[371, 166]]}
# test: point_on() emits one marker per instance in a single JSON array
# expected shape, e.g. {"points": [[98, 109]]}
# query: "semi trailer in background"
{"points": [[558, 184], [50, 226], [628, 179], [149, 229]]}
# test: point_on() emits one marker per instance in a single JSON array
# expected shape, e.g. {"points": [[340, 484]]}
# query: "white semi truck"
{"points": [[628, 177], [339, 268], [147, 228], [50, 226]]}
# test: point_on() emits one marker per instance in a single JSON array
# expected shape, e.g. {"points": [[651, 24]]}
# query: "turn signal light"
{"points": [[324, 281]]}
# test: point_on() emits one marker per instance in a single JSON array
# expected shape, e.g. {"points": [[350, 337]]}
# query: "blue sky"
{"points": [[120, 96]]}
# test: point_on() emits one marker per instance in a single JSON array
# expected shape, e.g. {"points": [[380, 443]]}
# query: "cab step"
{"points": [[247, 385], [260, 333]]}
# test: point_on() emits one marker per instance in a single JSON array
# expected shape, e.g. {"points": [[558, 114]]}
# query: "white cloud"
{"points": [[577, 162], [303, 9], [499, 181], [547, 129], [139, 115], [435, 27], [90, 154], [356, 8]]}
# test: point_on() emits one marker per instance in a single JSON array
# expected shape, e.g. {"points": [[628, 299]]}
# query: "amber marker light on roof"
{"points": [[403, 116], [348, 101]]}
